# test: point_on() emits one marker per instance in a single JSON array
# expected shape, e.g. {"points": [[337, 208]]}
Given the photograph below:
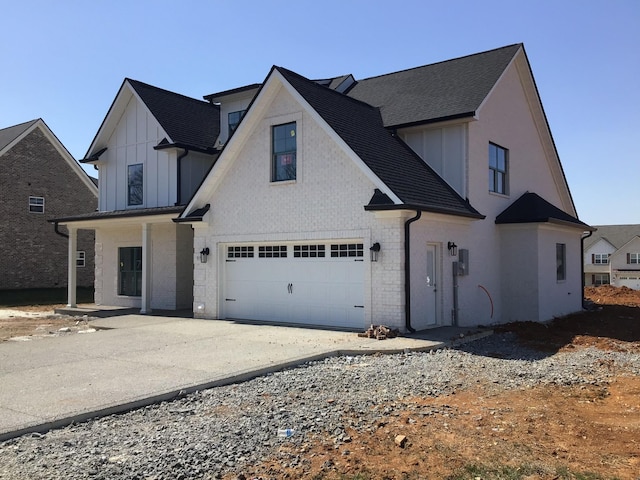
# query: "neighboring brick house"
{"points": [[427, 197], [612, 256], [39, 179]]}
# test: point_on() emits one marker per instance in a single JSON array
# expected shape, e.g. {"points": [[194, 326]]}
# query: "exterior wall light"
{"points": [[374, 250], [204, 253], [453, 249]]}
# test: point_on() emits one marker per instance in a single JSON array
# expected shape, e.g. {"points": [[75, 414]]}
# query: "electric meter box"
{"points": [[463, 262]]}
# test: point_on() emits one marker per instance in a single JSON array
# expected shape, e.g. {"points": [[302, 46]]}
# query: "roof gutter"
{"points": [[179, 175], [56, 227], [584, 237], [407, 270]]}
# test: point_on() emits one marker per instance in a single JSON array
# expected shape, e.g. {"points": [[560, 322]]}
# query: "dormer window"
{"points": [[234, 119], [135, 185]]}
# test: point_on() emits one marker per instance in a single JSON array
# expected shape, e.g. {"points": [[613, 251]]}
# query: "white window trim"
{"points": [[80, 258], [34, 204]]}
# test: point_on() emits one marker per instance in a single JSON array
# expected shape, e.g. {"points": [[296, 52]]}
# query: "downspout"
{"points": [[407, 270], [179, 164], [582, 265], [57, 230]]}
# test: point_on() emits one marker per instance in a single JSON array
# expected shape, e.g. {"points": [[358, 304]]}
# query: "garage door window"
{"points": [[308, 251], [240, 252], [347, 250], [272, 251]]}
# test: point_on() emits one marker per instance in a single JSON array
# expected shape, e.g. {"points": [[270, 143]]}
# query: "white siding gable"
{"points": [[600, 247], [131, 142], [444, 149]]}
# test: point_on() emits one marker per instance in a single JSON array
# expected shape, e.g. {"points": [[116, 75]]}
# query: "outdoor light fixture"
{"points": [[374, 250], [453, 249], [204, 253]]}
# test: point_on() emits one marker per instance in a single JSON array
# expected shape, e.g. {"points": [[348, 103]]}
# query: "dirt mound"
{"points": [[610, 295]]}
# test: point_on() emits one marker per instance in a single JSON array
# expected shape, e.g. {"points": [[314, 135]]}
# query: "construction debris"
{"points": [[379, 332]]}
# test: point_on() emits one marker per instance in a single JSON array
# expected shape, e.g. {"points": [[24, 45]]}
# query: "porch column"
{"points": [[146, 269], [71, 265]]}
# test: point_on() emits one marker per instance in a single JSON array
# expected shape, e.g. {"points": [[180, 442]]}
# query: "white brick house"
{"points": [[427, 197]]}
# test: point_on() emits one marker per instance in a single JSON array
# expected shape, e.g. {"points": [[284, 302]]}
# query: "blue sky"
{"points": [[65, 61]]}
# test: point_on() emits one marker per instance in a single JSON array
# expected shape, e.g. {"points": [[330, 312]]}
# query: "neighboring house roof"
{"points": [[9, 134], [450, 89], [532, 208], [188, 122], [12, 135], [616, 235], [360, 126]]}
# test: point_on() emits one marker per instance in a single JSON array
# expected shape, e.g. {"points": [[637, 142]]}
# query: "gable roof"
{"points": [[12, 135], [361, 127], [451, 89], [532, 208], [188, 122], [616, 235], [9, 134]]}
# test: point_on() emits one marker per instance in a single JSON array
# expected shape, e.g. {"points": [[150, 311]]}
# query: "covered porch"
{"points": [[143, 259]]}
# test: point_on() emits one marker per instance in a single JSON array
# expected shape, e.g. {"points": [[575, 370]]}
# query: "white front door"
{"points": [[319, 284]]}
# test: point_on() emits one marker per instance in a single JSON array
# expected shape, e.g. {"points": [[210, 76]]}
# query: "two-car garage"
{"points": [[319, 283]]}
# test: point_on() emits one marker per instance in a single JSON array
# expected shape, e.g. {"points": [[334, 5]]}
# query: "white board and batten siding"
{"points": [[132, 142], [317, 284]]}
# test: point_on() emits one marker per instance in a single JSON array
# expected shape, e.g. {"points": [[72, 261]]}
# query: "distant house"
{"points": [[612, 256], [39, 179], [427, 197]]}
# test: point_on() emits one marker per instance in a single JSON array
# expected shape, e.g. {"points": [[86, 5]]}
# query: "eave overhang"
{"points": [[424, 208], [196, 215], [132, 216]]}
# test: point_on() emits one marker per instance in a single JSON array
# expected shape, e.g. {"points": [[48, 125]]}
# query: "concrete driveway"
{"points": [[136, 360]]}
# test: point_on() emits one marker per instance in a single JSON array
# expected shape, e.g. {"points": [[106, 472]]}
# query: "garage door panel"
{"points": [[320, 291]]}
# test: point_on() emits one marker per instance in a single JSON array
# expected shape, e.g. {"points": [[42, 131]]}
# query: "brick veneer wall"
{"points": [[32, 255]]}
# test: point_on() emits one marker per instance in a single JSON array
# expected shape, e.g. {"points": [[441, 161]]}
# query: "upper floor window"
{"points": [[498, 159], [633, 258], [234, 120], [283, 155], [36, 204], [600, 258], [134, 191], [561, 262]]}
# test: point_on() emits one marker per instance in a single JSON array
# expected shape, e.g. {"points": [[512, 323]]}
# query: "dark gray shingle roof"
{"points": [[450, 89], [9, 134], [360, 126], [189, 122], [532, 208]]}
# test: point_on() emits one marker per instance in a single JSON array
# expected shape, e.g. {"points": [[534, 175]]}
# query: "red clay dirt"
{"points": [[547, 432]]}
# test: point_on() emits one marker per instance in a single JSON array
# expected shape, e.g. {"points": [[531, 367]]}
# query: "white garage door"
{"points": [[631, 281], [318, 284]]}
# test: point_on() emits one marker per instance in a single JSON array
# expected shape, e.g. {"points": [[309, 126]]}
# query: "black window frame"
{"points": [[135, 185], [130, 271], [237, 117], [283, 151], [498, 176], [561, 262]]}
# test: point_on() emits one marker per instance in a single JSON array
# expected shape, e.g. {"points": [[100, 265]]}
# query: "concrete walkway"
{"points": [[135, 360]]}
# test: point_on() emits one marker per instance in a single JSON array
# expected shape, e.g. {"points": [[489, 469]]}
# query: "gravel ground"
{"points": [[213, 432]]}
